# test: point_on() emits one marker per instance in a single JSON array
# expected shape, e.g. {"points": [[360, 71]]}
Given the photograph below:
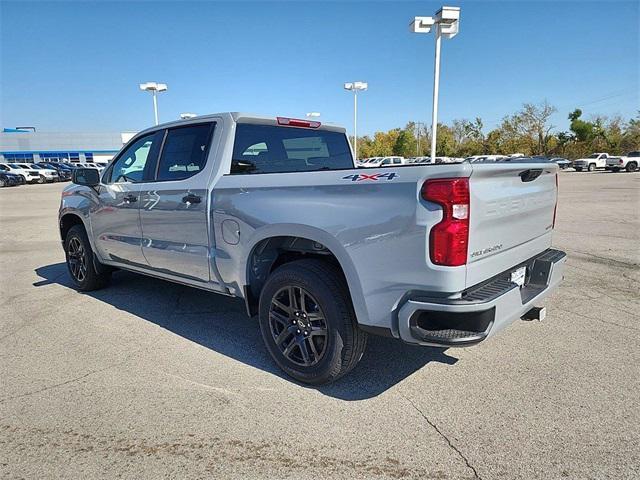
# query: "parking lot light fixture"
{"points": [[354, 87], [313, 114], [446, 22], [154, 88], [187, 116]]}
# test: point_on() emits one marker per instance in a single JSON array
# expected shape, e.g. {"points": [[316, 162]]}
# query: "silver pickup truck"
{"points": [[273, 211]]}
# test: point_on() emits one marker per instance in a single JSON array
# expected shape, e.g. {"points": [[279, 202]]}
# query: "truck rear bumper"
{"points": [[482, 310]]}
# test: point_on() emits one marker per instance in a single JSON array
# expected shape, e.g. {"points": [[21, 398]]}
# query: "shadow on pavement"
{"points": [[221, 324]]}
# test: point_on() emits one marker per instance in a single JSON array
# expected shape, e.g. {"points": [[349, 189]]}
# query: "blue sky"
{"points": [[76, 66]]}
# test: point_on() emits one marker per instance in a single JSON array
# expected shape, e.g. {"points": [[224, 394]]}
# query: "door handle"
{"points": [[191, 198], [130, 198]]}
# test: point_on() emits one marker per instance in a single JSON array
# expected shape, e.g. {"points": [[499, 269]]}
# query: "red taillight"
{"points": [[555, 208], [620, 162], [294, 122], [449, 239]]}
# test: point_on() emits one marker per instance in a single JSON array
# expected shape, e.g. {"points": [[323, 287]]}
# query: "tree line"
{"points": [[527, 131]]}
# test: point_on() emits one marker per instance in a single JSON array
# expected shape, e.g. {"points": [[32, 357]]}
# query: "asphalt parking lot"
{"points": [[147, 379]]}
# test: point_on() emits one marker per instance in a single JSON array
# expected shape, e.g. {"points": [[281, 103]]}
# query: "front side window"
{"points": [[274, 149], [185, 152], [131, 164]]}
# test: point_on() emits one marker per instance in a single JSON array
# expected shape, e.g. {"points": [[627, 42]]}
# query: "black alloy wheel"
{"points": [[308, 323], [298, 326], [77, 259], [86, 271]]}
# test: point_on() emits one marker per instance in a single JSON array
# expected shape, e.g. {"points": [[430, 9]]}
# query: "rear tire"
{"points": [[578, 169], [592, 167], [3, 183], [632, 167], [307, 322], [81, 261], [615, 169], [42, 180]]}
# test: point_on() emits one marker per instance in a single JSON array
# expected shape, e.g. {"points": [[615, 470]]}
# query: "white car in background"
{"points": [[30, 175], [628, 162], [91, 165], [593, 161], [419, 160], [47, 175], [370, 162], [390, 161]]}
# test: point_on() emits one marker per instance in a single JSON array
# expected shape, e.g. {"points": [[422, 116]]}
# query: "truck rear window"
{"points": [[273, 149]]}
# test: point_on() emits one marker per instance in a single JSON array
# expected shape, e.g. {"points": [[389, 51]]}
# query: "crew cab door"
{"points": [[174, 205], [115, 221]]}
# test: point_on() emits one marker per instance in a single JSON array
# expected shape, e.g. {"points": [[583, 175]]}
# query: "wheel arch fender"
{"points": [[72, 215], [312, 234]]}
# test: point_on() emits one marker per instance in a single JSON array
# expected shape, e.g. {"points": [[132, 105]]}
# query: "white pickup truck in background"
{"points": [[628, 162], [593, 161]]}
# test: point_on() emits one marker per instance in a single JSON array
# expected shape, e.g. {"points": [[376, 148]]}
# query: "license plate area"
{"points": [[519, 275]]}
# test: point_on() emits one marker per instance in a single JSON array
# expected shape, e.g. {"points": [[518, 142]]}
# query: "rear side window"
{"points": [[185, 152], [273, 149]]}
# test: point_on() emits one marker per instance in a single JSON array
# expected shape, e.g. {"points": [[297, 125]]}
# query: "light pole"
{"points": [[354, 87], [154, 88], [446, 21], [417, 125]]}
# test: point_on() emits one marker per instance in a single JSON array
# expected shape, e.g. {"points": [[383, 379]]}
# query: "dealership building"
{"points": [[24, 145]]}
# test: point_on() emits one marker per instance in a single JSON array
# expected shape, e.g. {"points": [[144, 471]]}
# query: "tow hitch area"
{"points": [[536, 313]]}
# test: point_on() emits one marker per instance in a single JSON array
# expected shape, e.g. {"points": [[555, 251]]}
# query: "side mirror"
{"points": [[89, 177]]}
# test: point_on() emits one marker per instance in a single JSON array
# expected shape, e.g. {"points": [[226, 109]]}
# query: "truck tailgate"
{"points": [[511, 216]]}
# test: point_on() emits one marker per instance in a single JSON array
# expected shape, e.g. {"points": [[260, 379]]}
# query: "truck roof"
{"points": [[241, 117]]}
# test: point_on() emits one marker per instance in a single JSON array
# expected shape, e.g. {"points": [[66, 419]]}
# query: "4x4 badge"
{"points": [[373, 177]]}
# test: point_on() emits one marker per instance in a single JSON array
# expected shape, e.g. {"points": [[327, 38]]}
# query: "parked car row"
{"points": [[601, 161], [376, 162], [13, 174]]}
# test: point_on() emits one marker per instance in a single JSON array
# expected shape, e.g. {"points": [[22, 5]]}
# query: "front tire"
{"points": [[632, 167], [615, 169], [308, 323], [81, 262], [578, 169], [592, 167]]}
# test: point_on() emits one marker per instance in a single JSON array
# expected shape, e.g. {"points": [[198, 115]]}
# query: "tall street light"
{"points": [[354, 87], [154, 88], [446, 22], [417, 127]]}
